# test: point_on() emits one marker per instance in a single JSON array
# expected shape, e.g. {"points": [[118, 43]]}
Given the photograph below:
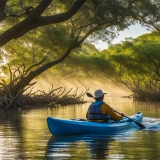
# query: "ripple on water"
{"points": [[151, 124]]}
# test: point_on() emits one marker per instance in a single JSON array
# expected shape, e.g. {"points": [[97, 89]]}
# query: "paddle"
{"points": [[139, 124]]}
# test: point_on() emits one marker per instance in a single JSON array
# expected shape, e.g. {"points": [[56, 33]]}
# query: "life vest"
{"points": [[95, 113]]}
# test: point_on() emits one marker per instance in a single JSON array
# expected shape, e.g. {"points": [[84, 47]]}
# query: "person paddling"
{"points": [[99, 111]]}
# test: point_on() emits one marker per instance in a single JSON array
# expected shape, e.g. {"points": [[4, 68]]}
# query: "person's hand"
{"points": [[122, 114]]}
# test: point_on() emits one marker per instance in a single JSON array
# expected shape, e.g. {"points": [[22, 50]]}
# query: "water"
{"points": [[24, 135]]}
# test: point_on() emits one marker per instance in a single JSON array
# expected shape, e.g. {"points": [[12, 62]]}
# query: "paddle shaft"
{"points": [[123, 115], [139, 124]]}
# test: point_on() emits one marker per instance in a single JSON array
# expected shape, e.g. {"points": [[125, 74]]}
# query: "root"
{"points": [[55, 96]]}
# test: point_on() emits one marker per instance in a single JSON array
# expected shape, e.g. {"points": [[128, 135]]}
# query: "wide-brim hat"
{"points": [[99, 93]]}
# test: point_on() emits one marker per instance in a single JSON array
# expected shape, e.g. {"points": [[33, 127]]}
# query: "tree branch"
{"points": [[34, 20], [2, 7]]}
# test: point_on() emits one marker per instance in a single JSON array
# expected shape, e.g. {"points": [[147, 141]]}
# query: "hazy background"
{"points": [[113, 89]]}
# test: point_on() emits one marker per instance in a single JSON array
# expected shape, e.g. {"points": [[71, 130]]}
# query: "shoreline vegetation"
{"points": [[55, 96]]}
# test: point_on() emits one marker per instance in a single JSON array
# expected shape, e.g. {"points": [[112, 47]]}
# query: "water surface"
{"points": [[25, 135]]}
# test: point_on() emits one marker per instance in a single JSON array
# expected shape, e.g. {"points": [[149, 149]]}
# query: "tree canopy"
{"points": [[136, 64], [39, 34]]}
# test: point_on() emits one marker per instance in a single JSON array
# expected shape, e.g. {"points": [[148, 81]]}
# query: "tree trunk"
{"points": [[24, 81]]}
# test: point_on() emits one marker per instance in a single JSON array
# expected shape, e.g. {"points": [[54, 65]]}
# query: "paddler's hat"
{"points": [[98, 93]]}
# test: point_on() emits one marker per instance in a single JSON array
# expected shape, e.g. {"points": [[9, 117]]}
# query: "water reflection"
{"points": [[93, 146], [64, 146]]}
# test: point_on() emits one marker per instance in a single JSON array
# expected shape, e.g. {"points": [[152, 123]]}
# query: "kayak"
{"points": [[82, 126]]}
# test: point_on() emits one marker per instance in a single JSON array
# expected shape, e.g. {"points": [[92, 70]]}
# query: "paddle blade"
{"points": [[140, 125], [89, 95]]}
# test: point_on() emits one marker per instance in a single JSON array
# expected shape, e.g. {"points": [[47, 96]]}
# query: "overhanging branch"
{"points": [[34, 20]]}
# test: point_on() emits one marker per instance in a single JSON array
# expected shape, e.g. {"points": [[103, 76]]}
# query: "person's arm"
{"points": [[106, 109]]}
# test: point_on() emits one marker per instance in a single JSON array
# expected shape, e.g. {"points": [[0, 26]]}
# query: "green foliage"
{"points": [[137, 63], [96, 20]]}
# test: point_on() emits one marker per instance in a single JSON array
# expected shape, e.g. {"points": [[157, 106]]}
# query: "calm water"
{"points": [[24, 135]]}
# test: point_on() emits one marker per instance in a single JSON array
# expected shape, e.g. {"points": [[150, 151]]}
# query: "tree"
{"points": [[136, 65], [34, 19], [86, 20]]}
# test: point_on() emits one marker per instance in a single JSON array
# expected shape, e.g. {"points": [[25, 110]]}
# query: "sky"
{"points": [[133, 31]]}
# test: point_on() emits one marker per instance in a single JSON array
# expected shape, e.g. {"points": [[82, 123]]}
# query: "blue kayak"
{"points": [[81, 126]]}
